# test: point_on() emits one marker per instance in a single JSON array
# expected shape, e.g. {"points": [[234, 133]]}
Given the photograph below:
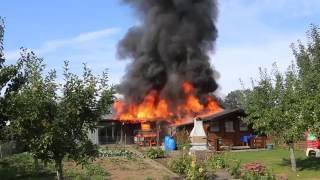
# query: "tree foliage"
{"points": [[285, 105], [11, 79], [308, 62], [235, 99], [53, 119]]}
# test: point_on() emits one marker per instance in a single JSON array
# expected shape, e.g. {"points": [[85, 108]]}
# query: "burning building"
{"points": [[169, 78]]}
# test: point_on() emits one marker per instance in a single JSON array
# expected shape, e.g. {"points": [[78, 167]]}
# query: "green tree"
{"points": [[308, 64], [274, 106], [286, 105], [235, 99], [11, 79], [54, 120], [33, 108], [82, 104]]}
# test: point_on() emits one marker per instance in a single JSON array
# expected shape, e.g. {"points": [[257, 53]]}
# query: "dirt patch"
{"points": [[122, 168]]}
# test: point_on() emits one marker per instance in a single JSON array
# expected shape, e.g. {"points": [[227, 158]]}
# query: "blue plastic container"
{"points": [[166, 142], [169, 143], [172, 144]]}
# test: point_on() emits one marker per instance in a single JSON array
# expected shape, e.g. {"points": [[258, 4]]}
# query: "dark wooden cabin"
{"points": [[111, 131], [225, 130]]}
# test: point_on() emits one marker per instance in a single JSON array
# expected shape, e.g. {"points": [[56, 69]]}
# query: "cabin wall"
{"points": [[114, 132], [228, 138]]}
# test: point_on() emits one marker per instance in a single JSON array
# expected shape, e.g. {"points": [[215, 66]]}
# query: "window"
{"points": [[243, 126], [214, 127], [229, 126]]}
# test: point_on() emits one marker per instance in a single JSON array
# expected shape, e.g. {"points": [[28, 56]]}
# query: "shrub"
{"points": [[181, 164], [196, 171], [185, 165], [256, 171], [218, 161], [183, 140], [18, 165], [235, 169], [155, 153], [91, 171]]}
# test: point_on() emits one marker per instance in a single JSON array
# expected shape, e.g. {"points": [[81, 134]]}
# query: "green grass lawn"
{"points": [[279, 162]]}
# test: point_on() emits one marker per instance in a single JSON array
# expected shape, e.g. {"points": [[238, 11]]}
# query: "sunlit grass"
{"points": [[278, 161]]}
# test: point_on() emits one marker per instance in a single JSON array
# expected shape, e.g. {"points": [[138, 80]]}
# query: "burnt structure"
{"points": [[217, 132]]}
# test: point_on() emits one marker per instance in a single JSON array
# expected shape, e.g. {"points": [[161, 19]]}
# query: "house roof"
{"points": [[216, 116], [224, 114]]}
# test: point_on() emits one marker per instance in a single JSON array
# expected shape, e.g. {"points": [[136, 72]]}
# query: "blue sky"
{"points": [[252, 33]]}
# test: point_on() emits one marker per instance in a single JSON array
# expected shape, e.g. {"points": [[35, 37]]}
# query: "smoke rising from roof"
{"points": [[169, 47]]}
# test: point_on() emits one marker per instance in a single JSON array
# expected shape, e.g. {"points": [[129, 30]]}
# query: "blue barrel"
{"points": [[166, 142], [172, 144], [169, 143]]}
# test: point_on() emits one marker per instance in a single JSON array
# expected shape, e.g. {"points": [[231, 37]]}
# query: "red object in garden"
{"points": [[312, 142]]}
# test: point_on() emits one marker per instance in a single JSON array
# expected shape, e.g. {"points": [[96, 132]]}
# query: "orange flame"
{"points": [[145, 127], [153, 107]]}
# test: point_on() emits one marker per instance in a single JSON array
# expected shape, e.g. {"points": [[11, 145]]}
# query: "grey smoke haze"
{"points": [[169, 48]]}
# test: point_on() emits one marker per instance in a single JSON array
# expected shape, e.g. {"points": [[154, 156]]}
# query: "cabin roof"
{"points": [[216, 116], [223, 114]]}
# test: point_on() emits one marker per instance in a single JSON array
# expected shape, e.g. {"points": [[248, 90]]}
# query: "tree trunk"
{"points": [[59, 169], [36, 164], [45, 164], [292, 158], [1, 152]]}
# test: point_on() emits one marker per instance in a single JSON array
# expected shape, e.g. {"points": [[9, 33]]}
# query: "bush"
{"points": [[181, 164], [183, 140], [256, 171], [91, 171], [235, 169], [218, 161], [22, 165], [196, 171], [185, 165], [155, 153]]}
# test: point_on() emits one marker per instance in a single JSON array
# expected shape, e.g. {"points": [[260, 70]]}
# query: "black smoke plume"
{"points": [[168, 48]]}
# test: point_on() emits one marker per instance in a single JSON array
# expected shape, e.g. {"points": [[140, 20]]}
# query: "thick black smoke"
{"points": [[169, 48]]}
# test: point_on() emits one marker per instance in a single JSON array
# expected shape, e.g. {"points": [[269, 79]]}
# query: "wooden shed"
{"points": [[226, 130]]}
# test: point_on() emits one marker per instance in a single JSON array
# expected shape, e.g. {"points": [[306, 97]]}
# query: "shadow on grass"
{"points": [[304, 163], [21, 166], [8, 170]]}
